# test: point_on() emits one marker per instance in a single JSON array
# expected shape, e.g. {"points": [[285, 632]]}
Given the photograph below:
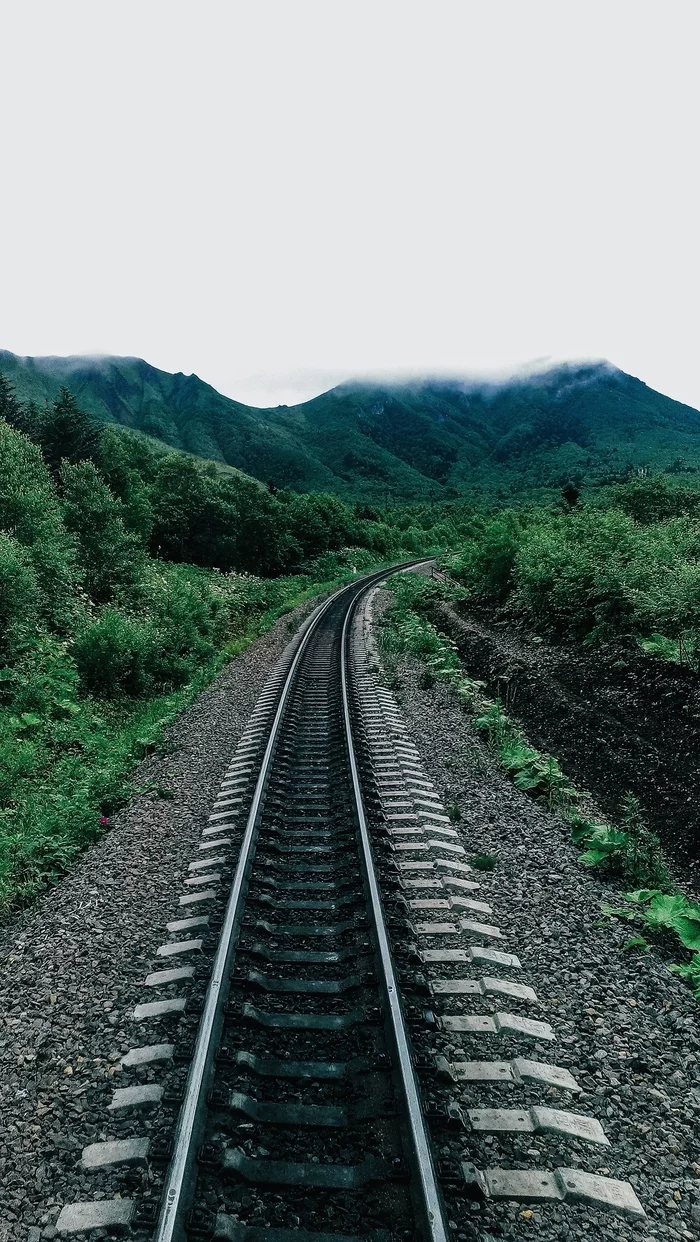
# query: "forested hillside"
{"points": [[129, 572], [425, 440], [127, 577]]}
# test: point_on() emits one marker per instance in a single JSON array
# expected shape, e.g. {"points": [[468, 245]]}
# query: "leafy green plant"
{"points": [[604, 845], [668, 911], [643, 857], [493, 721], [637, 942], [633, 852], [684, 649], [672, 910], [536, 774], [690, 971]]}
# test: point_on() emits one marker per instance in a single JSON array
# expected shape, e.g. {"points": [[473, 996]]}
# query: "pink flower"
{"points": [[103, 819]]}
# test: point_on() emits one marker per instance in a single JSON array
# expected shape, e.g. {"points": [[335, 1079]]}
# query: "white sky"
{"points": [[278, 194]]}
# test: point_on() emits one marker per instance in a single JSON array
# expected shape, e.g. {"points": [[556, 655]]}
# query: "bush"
{"points": [[485, 563], [191, 623], [116, 655], [654, 499], [592, 573]]}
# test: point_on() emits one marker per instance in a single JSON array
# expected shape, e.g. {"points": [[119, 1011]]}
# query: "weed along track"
{"points": [[337, 1023]]}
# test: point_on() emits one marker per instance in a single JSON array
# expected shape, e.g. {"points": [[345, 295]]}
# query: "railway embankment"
{"points": [[626, 1027], [616, 718]]}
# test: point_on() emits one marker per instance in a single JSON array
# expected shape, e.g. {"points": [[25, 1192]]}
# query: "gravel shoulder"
{"points": [[625, 1027], [72, 965]]}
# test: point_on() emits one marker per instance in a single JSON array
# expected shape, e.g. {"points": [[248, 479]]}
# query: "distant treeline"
{"points": [[121, 499]]}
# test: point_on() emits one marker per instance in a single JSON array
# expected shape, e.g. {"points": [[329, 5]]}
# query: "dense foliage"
{"points": [[126, 578], [626, 564]]}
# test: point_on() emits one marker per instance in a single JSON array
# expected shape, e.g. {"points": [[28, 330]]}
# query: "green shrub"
{"points": [[485, 563], [537, 774], [595, 573], [633, 852], [191, 623], [115, 655], [653, 499]]}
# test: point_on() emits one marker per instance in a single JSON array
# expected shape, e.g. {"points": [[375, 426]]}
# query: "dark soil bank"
{"points": [[616, 719]]}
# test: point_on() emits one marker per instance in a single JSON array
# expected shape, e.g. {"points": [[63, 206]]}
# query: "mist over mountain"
{"points": [[419, 439]]}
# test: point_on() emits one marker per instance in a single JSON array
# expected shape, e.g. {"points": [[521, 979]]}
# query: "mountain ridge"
{"points": [[423, 439]]}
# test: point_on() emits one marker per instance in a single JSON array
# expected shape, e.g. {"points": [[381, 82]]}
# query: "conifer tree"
{"points": [[67, 433], [21, 417]]}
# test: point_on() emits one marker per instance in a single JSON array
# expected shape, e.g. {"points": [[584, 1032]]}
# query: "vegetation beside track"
{"points": [[627, 850], [125, 585], [626, 564], [128, 577], [67, 752]]}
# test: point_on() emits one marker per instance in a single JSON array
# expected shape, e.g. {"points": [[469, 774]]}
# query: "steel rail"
{"points": [[176, 1190], [176, 1195], [429, 1201]]}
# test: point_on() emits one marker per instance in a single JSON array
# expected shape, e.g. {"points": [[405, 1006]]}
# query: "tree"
{"points": [[67, 433], [264, 542], [19, 594], [570, 495], [178, 497], [320, 522], [652, 498], [125, 463], [30, 513], [22, 417], [112, 559]]}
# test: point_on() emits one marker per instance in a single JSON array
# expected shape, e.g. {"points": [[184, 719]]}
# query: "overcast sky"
{"points": [[279, 194]]}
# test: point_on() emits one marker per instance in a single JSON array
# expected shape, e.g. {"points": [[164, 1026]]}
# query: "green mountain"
{"points": [[418, 440]]}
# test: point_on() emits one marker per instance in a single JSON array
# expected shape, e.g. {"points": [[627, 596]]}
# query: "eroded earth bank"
{"points": [[616, 719]]}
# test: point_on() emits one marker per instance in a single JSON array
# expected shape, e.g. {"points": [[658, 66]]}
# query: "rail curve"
{"points": [[295, 1050]]}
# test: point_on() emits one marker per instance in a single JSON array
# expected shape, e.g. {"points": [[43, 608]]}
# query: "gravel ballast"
{"points": [[72, 965], [625, 1027]]}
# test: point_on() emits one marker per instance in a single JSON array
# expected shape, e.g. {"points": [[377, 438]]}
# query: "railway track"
{"points": [[290, 1084]]}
